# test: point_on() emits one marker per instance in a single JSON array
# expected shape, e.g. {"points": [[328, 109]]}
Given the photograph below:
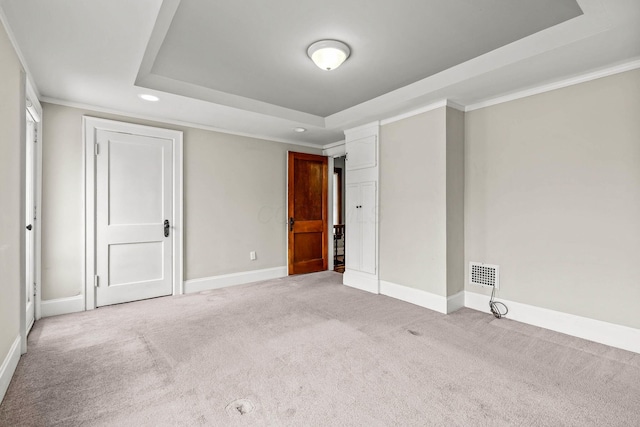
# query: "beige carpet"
{"points": [[305, 350]]}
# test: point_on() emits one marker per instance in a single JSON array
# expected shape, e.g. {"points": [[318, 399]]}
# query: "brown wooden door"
{"points": [[308, 180]]}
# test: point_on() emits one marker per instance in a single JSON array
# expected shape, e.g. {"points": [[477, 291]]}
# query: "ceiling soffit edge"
{"points": [[165, 84], [14, 43], [165, 16], [168, 121], [145, 79]]}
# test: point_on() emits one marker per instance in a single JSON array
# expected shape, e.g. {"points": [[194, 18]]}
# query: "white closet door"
{"points": [[361, 227], [368, 226], [353, 228]]}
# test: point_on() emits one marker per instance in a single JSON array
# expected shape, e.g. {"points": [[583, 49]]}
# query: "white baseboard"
{"points": [[598, 331], [455, 302], [8, 367], [55, 307], [415, 296], [362, 281], [225, 280]]}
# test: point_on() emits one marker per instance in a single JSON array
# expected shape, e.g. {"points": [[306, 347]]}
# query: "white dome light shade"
{"points": [[328, 54]]}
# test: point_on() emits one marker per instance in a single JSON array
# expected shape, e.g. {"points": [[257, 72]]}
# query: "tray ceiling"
{"points": [[241, 66], [258, 50]]}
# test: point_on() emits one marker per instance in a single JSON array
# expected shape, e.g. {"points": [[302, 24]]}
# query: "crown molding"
{"points": [[369, 127], [333, 144], [582, 78], [421, 110], [455, 105], [335, 150]]}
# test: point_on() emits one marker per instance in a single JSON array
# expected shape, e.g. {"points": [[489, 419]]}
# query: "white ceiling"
{"points": [[242, 66]]}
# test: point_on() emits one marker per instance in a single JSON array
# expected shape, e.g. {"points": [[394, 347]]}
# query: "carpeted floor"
{"points": [[305, 350]]}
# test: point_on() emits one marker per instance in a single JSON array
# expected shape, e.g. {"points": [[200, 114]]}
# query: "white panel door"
{"points": [[368, 226], [361, 227], [134, 211]]}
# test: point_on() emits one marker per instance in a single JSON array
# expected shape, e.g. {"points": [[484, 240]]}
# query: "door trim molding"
{"points": [[9, 365], [32, 96], [29, 94], [90, 125], [292, 155]]}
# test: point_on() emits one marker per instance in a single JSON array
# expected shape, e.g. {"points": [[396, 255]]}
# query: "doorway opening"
{"points": [[133, 211], [339, 231], [307, 212]]}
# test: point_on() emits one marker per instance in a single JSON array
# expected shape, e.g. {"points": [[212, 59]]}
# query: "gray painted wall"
{"points": [[455, 201], [421, 202], [413, 215], [234, 201], [552, 195], [11, 161]]}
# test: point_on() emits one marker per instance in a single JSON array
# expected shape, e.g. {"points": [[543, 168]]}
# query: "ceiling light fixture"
{"points": [[299, 130], [328, 54], [148, 97]]}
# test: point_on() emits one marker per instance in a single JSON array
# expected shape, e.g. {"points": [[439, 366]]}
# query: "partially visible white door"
{"points": [[30, 221], [368, 197], [134, 217], [361, 227]]}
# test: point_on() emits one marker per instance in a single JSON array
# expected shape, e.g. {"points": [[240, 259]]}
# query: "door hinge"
{"points": [[35, 289], [97, 150], [96, 281]]}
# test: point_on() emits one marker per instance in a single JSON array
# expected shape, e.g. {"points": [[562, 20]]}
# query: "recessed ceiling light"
{"points": [[299, 130], [328, 54], [148, 97]]}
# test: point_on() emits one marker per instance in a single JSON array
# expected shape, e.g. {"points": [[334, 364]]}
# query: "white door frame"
{"points": [[90, 126], [32, 104], [36, 108], [335, 150]]}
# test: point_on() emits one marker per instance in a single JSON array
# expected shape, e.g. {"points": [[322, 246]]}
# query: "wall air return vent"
{"points": [[484, 275]]}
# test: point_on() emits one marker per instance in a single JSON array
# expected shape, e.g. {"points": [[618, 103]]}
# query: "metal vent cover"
{"points": [[484, 275]]}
